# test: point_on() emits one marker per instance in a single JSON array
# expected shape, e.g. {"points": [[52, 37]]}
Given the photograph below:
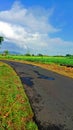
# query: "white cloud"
{"points": [[29, 19], [29, 28], [18, 35]]}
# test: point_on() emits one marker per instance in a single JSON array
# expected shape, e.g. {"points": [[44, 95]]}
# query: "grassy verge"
{"points": [[15, 110]]}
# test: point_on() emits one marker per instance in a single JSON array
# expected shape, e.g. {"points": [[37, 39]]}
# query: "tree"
{"points": [[40, 54], [6, 52], [1, 39], [33, 55], [68, 55]]}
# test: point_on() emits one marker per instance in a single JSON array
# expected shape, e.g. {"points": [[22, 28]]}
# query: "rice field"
{"points": [[68, 61]]}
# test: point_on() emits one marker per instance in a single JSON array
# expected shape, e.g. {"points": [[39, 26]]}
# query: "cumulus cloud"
{"points": [[29, 18], [29, 28]]}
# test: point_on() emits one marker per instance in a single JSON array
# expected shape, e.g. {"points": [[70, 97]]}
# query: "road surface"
{"points": [[50, 96]]}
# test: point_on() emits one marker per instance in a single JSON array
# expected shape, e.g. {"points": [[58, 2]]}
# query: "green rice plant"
{"points": [[41, 59]]}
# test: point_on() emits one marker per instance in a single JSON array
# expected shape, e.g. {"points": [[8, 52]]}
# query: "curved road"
{"points": [[50, 95]]}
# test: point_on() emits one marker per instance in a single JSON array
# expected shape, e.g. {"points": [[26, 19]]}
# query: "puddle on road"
{"points": [[43, 76], [27, 80]]}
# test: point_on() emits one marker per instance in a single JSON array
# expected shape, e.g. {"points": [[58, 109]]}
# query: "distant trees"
{"points": [[27, 54], [33, 54], [6, 52], [39, 54], [68, 55]]}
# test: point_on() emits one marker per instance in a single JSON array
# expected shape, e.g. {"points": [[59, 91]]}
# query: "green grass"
{"points": [[15, 110], [42, 59]]}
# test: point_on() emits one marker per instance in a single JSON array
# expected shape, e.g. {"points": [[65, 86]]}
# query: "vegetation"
{"points": [[1, 39], [15, 110], [39, 54], [6, 52], [61, 60], [27, 54]]}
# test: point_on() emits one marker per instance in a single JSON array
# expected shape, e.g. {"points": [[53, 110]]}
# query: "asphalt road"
{"points": [[50, 95]]}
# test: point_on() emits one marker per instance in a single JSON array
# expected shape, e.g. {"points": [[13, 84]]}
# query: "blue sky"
{"points": [[37, 26]]}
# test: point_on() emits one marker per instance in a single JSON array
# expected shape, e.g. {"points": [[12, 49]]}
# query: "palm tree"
{"points": [[1, 39]]}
